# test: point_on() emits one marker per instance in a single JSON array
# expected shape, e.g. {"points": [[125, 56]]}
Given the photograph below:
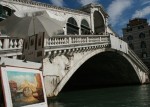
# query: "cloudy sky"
{"points": [[120, 11]]}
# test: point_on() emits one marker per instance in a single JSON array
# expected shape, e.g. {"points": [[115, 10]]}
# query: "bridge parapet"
{"points": [[76, 40], [138, 61], [10, 46], [122, 46], [7, 43]]}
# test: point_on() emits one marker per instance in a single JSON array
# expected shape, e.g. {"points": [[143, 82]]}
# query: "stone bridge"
{"points": [[74, 62], [74, 59]]}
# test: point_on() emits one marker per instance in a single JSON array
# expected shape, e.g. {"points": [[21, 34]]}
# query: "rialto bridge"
{"points": [[96, 62], [86, 54]]}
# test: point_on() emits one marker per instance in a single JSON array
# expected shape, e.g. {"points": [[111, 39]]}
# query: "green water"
{"points": [[127, 96]]}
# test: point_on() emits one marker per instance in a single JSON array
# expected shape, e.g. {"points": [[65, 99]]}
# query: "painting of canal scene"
{"points": [[26, 88]]}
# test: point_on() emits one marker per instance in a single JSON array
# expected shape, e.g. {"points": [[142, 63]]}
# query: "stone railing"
{"points": [[9, 43], [76, 39], [138, 60]]}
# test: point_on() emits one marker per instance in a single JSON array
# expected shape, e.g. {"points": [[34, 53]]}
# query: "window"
{"points": [[140, 27], [31, 42], [143, 44], [129, 29], [129, 38], [72, 27], [5, 12], [141, 35], [144, 54], [85, 29]]}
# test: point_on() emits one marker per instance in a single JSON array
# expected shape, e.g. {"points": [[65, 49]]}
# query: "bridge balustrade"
{"points": [[9, 43], [76, 39], [137, 60]]}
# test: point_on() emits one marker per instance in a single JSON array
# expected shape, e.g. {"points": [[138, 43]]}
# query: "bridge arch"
{"points": [[99, 23], [87, 57], [5, 11]]}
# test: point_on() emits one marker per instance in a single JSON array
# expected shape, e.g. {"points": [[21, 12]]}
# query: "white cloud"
{"points": [[84, 2], [58, 2], [142, 13], [145, 2], [116, 9]]}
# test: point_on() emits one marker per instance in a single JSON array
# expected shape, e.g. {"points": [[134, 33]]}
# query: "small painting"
{"points": [[24, 86]]}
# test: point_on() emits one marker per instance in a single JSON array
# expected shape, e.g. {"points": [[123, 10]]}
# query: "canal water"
{"points": [[126, 96]]}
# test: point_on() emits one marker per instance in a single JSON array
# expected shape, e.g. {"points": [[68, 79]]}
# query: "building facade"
{"points": [[137, 35]]}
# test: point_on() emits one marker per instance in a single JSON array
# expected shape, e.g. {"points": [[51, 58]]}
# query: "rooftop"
{"points": [[137, 21]]}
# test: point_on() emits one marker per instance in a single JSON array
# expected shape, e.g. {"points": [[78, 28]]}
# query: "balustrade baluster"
{"points": [[15, 43], [1, 44], [61, 41], [87, 39], [20, 43], [10, 44], [71, 39], [83, 40], [90, 39], [100, 39], [49, 41], [65, 41], [57, 39], [53, 41], [76, 40]]}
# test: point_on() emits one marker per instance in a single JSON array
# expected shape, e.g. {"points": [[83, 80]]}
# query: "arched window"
{"points": [[143, 44], [72, 27], [141, 35], [99, 23], [129, 38], [85, 29], [5, 12]]}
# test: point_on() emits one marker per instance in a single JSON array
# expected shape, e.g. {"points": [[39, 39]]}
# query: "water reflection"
{"points": [[129, 96], [55, 104]]}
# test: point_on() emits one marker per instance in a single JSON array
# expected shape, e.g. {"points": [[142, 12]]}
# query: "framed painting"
{"points": [[23, 87]]}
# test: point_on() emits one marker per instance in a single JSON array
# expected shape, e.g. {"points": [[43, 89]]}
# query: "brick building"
{"points": [[137, 35]]}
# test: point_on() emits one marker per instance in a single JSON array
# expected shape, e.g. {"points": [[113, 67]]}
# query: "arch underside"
{"points": [[103, 70]]}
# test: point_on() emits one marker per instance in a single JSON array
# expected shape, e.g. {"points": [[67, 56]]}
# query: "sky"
{"points": [[119, 11]]}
